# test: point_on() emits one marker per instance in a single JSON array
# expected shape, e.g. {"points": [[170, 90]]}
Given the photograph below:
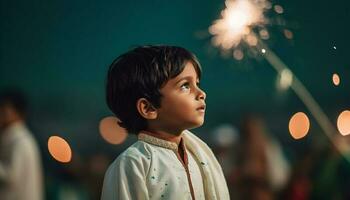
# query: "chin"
{"points": [[197, 125], [194, 127]]}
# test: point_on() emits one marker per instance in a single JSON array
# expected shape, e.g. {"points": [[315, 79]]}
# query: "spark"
{"points": [[237, 21]]}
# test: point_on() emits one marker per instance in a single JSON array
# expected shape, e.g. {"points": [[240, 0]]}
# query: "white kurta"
{"points": [[20, 165], [150, 169]]}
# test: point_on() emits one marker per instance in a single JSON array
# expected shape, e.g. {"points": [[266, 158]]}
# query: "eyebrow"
{"points": [[183, 78]]}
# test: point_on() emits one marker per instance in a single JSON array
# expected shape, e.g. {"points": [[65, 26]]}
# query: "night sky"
{"points": [[58, 52]]}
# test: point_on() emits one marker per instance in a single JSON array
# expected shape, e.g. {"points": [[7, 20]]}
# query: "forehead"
{"points": [[189, 71]]}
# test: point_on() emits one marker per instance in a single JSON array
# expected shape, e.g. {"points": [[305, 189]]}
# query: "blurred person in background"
{"points": [[262, 169], [97, 165], [225, 142], [300, 183], [20, 161]]}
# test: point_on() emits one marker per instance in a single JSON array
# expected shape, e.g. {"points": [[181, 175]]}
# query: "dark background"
{"points": [[58, 52]]}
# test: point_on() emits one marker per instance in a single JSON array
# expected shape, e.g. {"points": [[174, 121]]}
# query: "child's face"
{"points": [[183, 102]]}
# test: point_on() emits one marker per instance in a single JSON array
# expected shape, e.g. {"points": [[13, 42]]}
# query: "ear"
{"points": [[146, 109]]}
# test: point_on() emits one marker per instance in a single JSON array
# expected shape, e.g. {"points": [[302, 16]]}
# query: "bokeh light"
{"points": [[251, 40], [285, 79], [343, 122], [278, 9], [225, 135], [111, 131], [59, 149], [264, 34], [299, 125], [288, 34], [336, 79], [238, 54]]}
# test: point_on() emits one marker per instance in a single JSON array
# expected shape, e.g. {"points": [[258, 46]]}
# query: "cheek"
{"points": [[178, 105], [183, 103]]}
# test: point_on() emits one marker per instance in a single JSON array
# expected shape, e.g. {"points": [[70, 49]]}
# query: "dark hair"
{"points": [[141, 73], [14, 98]]}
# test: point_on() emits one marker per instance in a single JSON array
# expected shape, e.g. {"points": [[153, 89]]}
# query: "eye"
{"points": [[185, 86], [198, 84]]}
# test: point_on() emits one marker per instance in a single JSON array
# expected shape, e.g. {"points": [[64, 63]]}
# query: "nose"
{"points": [[201, 94]]}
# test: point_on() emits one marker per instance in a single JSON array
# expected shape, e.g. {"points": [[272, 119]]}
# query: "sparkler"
{"points": [[243, 23], [237, 22]]}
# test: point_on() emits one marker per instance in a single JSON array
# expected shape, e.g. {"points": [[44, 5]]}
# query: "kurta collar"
{"points": [[143, 136]]}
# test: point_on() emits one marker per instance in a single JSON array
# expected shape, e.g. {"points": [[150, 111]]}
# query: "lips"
{"points": [[201, 107]]}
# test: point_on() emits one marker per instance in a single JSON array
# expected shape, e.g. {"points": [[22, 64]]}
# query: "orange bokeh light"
{"points": [[111, 131], [336, 79], [238, 54], [278, 9], [252, 40], [288, 34], [59, 149], [343, 122], [299, 125]]}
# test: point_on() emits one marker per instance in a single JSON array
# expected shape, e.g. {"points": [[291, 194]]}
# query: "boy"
{"points": [[154, 91]]}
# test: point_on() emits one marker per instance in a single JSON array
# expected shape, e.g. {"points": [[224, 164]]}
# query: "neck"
{"points": [[176, 138]]}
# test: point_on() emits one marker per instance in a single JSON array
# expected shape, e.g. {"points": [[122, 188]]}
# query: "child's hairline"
{"points": [[195, 63]]}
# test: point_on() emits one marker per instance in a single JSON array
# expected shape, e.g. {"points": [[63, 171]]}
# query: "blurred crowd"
{"points": [[257, 166]]}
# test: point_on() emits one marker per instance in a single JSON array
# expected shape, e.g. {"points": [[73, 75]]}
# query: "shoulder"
{"points": [[136, 157], [137, 152]]}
